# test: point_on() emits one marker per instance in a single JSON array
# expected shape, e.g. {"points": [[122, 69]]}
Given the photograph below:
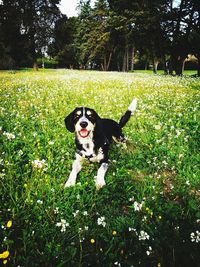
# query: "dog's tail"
{"points": [[124, 119]]}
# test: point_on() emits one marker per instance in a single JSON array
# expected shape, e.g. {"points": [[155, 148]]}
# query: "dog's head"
{"points": [[82, 121]]}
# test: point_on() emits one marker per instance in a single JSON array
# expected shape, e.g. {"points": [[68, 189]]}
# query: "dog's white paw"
{"points": [[69, 183], [99, 182]]}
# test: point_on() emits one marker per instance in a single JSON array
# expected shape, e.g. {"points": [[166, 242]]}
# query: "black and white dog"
{"points": [[93, 136]]}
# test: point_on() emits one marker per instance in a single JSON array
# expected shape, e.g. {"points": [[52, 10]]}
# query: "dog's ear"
{"points": [[69, 122]]}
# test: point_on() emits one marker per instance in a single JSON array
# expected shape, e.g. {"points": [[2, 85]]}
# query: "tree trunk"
{"points": [[146, 64], [179, 66], [35, 66], [127, 59], [155, 66], [198, 66], [124, 62], [132, 59], [164, 63], [109, 59]]}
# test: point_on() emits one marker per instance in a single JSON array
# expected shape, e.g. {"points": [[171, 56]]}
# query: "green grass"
{"points": [[149, 211]]}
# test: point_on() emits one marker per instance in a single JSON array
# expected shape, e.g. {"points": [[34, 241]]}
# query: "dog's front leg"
{"points": [[76, 167], [100, 181]]}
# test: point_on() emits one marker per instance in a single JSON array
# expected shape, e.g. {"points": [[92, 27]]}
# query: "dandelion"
{"points": [[4, 255], [9, 224], [114, 232], [92, 241], [5, 262]]}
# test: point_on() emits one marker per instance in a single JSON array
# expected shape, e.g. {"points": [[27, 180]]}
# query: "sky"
{"points": [[68, 7]]}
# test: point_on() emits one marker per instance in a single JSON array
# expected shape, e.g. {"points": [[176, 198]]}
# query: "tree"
{"points": [[180, 23], [64, 47], [194, 38], [27, 28]]}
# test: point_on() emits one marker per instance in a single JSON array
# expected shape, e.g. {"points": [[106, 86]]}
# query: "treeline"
{"points": [[111, 35]]}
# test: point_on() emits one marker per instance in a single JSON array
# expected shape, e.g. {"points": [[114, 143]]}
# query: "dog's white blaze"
{"points": [[84, 112], [100, 181], [133, 105]]}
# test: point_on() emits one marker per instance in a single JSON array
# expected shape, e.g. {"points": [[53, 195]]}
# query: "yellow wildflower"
{"points": [[5, 262], [92, 241], [114, 232], [9, 224], [4, 255]]}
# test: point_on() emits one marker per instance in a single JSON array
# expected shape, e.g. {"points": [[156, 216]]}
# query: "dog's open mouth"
{"points": [[84, 133]]}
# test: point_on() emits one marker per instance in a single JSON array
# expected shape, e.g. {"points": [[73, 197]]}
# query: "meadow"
{"points": [[148, 214]]}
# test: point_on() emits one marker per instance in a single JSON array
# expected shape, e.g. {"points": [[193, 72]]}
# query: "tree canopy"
{"points": [[111, 35]]}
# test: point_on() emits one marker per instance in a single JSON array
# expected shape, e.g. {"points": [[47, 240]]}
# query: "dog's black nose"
{"points": [[84, 124]]}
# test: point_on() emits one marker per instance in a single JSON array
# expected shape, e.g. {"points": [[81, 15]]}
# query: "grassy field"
{"points": [[148, 214]]}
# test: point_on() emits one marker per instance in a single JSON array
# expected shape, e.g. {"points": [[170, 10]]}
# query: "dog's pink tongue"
{"points": [[83, 132]]}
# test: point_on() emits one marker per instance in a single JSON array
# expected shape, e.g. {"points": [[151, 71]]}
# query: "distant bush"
{"points": [[48, 63]]}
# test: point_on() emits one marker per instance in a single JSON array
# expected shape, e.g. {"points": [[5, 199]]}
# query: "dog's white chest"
{"points": [[88, 150]]}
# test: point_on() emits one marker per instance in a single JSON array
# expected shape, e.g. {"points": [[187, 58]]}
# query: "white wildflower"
{"points": [[187, 182], [56, 210], [195, 237], [101, 221], [149, 251], [63, 224], [131, 229], [157, 127], [10, 136], [51, 143], [39, 164], [143, 235], [20, 152], [138, 206], [76, 213], [39, 201]]}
